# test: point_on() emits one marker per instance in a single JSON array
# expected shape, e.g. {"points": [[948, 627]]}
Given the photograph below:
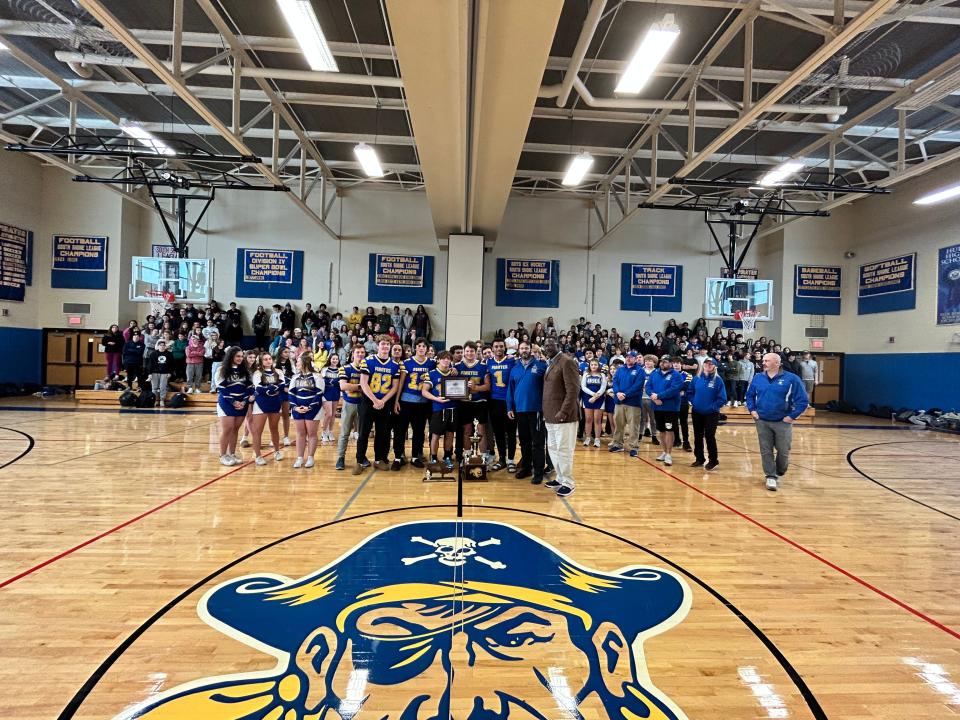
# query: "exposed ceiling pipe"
{"points": [[81, 69], [549, 91], [580, 51], [225, 71]]}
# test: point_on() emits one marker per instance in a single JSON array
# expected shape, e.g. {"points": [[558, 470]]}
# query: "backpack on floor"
{"points": [[129, 399], [178, 400], [147, 399], [905, 415]]}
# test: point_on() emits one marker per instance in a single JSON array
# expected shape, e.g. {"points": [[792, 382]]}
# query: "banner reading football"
{"points": [[948, 286], [79, 261], [274, 274], [399, 271], [400, 279]]}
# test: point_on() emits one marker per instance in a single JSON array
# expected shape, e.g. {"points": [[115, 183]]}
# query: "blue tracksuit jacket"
{"points": [[667, 388], [707, 393], [525, 387], [774, 399], [630, 382]]}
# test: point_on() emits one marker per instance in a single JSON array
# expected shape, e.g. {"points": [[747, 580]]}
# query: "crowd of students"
{"points": [[389, 377]]}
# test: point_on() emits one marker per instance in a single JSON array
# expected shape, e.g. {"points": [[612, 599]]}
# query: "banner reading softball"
{"points": [[948, 286]]}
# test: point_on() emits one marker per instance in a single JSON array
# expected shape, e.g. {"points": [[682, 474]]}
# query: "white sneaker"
{"points": [[227, 460], [308, 463], [354, 435], [736, 403], [286, 441], [237, 458], [596, 442], [771, 483], [667, 459], [161, 404], [244, 442], [188, 391], [261, 461], [298, 463], [278, 456], [586, 442], [661, 457]]}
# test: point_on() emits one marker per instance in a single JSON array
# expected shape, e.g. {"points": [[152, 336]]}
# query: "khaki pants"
{"points": [[627, 418]]}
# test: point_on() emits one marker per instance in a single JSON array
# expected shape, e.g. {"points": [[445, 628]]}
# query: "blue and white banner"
{"points": [[79, 261], [271, 274], [528, 282], [948, 286], [816, 289], [400, 279], [651, 288], [16, 262], [887, 285], [163, 251]]}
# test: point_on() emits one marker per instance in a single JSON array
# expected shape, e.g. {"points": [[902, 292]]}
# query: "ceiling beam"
{"points": [[825, 8]]}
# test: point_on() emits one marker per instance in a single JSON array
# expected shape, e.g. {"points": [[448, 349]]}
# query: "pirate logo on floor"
{"points": [[476, 620]]}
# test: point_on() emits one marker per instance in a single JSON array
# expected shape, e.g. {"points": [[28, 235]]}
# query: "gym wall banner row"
{"points": [[887, 285], [16, 262], [528, 282], [79, 262], [816, 289]]}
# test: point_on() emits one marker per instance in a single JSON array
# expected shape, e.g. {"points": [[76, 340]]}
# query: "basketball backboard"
{"points": [[187, 279], [726, 296]]}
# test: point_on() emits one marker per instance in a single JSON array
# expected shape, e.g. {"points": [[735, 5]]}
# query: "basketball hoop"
{"points": [[749, 320], [160, 301]]}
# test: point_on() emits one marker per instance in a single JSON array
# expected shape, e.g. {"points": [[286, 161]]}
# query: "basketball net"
{"points": [[749, 320], [160, 302]]}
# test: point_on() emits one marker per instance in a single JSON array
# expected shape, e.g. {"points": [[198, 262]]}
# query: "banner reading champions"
{"points": [[887, 285], [528, 283], [271, 274], [404, 279], [651, 288], [16, 262], [816, 289], [948, 286], [79, 261]]}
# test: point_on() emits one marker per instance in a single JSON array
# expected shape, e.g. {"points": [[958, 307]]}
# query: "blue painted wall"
{"points": [[910, 380], [22, 358]]}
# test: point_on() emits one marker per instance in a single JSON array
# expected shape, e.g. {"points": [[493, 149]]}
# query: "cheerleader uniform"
{"points": [[305, 390], [331, 384], [610, 402], [590, 385], [235, 387], [268, 391]]}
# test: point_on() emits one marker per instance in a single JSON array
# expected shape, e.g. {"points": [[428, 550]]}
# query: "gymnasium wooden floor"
{"points": [[123, 537]]}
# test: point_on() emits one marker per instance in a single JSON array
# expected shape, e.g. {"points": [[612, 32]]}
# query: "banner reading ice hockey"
{"points": [[887, 285], [816, 289], [79, 261], [948, 286], [651, 288], [400, 278], [16, 259], [273, 274], [528, 282]]}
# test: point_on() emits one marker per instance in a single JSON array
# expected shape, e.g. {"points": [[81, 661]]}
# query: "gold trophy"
{"points": [[474, 466]]}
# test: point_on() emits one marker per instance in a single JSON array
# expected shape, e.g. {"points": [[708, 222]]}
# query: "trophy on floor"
{"points": [[474, 464]]}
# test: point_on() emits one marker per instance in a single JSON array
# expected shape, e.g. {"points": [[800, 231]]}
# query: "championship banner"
{"points": [[271, 274], [79, 261], [524, 282], [948, 286], [887, 285], [406, 279], [163, 251], [651, 288], [16, 262], [816, 289]]}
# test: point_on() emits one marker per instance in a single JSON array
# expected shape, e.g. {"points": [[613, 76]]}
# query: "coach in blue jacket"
{"points": [[628, 390], [707, 394], [663, 388], [775, 398], [525, 405]]}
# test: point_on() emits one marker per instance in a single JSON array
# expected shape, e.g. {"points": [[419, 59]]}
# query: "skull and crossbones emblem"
{"points": [[454, 551]]}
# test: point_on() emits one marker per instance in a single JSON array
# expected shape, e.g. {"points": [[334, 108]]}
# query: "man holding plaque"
{"points": [[561, 399]]}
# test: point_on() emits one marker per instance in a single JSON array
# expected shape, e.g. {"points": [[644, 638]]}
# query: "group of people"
{"points": [[538, 389]]}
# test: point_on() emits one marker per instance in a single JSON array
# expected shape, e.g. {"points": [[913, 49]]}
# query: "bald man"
{"points": [[775, 399]]}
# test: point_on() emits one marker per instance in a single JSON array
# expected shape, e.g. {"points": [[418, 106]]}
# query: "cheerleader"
{"points": [[250, 361], [283, 361], [593, 387], [305, 390], [331, 394], [268, 392], [233, 397]]}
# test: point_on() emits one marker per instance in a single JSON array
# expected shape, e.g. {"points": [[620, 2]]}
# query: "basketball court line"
{"points": [[31, 443], [811, 553], [356, 492]]}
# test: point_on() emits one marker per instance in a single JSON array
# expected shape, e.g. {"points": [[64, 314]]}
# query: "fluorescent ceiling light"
{"points": [[780, 173], [651, 52], [946, 193], [368, 160], [306, 29], [579, 166], [145, 138]]}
